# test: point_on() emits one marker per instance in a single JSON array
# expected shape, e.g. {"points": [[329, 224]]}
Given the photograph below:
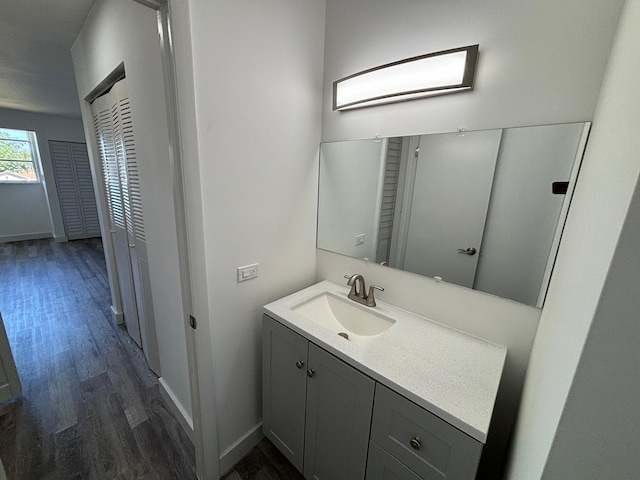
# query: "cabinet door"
{"points": [[339, 405], [284, 366], [383, 466]]}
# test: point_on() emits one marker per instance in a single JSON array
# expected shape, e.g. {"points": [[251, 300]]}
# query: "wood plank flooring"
{"points": [[264, 462], [90, 407]]}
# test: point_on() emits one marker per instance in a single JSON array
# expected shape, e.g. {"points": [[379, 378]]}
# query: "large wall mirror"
{"points": [[481, 209]]}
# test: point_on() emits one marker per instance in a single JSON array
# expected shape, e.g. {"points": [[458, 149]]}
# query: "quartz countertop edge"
{"points": [[451, 374]]}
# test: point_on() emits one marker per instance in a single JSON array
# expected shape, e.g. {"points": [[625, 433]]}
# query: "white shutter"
{"points": [[101, 147], [116, 119], [133, 173], [110, 168]]}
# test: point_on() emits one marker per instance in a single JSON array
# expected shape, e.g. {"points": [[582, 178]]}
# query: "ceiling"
{"points": [[36, 73]]}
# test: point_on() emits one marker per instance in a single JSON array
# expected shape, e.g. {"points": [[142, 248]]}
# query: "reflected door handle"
{"points": [[469, 251]]}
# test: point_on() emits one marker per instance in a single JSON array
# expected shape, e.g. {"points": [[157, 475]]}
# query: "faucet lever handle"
{"points": [[371, 300]]}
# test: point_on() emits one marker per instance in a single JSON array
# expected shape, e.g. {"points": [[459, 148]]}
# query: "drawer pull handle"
{"points": [[415, 443], [311, 372], [299, 364]]}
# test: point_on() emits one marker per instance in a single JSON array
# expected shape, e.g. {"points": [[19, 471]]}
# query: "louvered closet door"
{"points": [[75, 189], [104, 126], [86, 193], [122, 171], [134, 215]]}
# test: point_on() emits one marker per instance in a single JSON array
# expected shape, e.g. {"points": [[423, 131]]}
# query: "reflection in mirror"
{"points": [[475, 208]]}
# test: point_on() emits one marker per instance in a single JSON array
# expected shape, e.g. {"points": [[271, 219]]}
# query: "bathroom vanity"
{"points": [[355, 392]]}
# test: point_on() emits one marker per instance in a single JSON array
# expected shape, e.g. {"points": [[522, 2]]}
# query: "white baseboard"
{"points": [[25, 236], [184, 419], [239, 449], [60, 239], [118, 317]]}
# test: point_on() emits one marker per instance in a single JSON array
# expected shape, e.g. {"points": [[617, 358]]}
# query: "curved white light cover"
{"points": [[433, 74]]}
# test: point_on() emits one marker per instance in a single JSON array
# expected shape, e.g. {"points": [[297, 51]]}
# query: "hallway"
{"points": [[90, 406]]}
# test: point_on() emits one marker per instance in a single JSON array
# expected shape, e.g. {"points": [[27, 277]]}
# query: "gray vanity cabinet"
{"points": [[284, 391], [302, 380]]}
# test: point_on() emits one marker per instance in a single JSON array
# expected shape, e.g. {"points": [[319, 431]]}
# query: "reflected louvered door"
{"points": [[74, 186], [106, 127], [389, 194]]}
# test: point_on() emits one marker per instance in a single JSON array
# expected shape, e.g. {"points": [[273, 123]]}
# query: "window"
{"points": [[18, 156]]}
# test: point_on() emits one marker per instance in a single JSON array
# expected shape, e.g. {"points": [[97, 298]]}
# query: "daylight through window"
{"points": [[18, 153]]}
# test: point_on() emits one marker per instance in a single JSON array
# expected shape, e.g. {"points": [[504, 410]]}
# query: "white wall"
{"points": [[257, 85], [608, 177], [119, 31], [350, 175], [597, 436], [540, 63], [33, 210]]}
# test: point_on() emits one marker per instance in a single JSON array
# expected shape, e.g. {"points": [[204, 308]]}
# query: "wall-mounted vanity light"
{"points": [[438, 73]]}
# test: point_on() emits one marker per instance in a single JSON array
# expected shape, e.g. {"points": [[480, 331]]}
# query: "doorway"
{"points": [[90, 405]]}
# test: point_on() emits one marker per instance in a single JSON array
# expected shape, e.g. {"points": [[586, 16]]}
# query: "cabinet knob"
{"points": [[415, 443], [311, 372], [299, 364]]}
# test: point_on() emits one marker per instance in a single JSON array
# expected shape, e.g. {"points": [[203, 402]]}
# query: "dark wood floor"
{"points": [[90, 407], [264, 462]]}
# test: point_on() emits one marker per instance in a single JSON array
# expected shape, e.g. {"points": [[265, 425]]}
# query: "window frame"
{"points": [[35, 158]]}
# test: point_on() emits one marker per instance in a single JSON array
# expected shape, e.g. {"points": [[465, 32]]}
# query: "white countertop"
{"points": [[450, 373]]}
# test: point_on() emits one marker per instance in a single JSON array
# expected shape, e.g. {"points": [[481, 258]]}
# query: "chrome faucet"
{"points": [[358, 291]]}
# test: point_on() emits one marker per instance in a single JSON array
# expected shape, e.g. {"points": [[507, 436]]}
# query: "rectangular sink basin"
{"points": [[355, 323]]}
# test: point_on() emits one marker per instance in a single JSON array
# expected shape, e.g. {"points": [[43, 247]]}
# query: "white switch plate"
{"points": [[247, 272], [360, 239]]}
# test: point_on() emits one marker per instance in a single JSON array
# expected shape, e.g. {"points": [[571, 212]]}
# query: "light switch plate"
{"points": [[360, 239], [247, 272]]}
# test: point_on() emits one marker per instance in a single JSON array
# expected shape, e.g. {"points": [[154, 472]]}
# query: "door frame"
{"points": [[553, 254], [199, 347]]}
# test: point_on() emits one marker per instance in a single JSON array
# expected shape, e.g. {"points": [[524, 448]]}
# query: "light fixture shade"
{"points": [[427, 75]]}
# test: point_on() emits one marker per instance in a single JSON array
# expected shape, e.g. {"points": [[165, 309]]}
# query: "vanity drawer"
{"points": [[384, 466], [423, 442]]}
